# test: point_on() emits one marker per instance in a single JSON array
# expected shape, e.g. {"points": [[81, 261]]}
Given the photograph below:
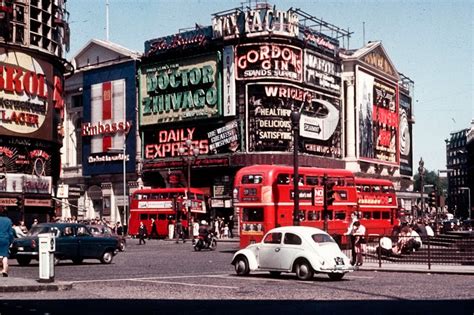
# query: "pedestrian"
{"points": [[18, 231], [35, 221], [119, 229], [351, 237], [6, 238], [179, 231], [225, 233], [360, 242], [142, 234], [153, 230], [231, 226], [195, 230]]}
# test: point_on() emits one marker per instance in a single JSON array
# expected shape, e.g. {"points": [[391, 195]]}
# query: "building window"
{"points": [[78, 135], [77, 101]]}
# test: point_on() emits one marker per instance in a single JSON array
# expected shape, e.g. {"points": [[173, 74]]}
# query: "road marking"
{"points": [[188, 284], [145, 278]]}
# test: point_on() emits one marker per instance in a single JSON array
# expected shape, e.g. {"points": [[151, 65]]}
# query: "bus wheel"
{"points": [[304, 270], [241, 266]]}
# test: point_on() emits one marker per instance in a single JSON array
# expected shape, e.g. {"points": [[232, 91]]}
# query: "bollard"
{"points": [[47, 247]]}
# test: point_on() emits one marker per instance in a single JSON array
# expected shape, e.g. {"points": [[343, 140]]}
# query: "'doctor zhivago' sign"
{"points": [[182, 91]]}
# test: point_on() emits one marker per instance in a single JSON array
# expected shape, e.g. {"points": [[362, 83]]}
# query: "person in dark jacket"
{"points": [[154, 230], [6, 238], [142, 233], [179, 231]]}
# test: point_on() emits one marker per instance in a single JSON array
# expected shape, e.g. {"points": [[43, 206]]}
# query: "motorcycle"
{"points": [[205, 243]]}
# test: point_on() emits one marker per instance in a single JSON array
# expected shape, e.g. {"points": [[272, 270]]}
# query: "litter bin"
{"points": [[47, 247]]}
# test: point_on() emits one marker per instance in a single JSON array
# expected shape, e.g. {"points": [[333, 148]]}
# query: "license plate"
{"points": [[339, 261], [20, 249]]}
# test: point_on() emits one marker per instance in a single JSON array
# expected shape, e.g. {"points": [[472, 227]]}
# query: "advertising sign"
{"points": [[277, 61], [229, 81], [181, 91], [406, 143], [25, 157], [256, 22], [321, 72], [209, 140], [109, 120], [184, 40], [377, 109], [27, 87], [269, 107]]}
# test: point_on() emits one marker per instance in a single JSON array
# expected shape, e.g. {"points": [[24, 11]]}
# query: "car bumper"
{"points": [[338, 269]]}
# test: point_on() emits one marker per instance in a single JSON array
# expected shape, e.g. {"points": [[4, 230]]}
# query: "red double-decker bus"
{"points": [[264, 199], [378, 208], [165, 205]]}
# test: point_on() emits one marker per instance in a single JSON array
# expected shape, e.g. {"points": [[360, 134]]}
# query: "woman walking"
{"points": [[6, 238]]}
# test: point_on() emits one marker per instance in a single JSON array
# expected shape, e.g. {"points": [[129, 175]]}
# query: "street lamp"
{"points": [[123, 151], [295, 126], [468, 200], [421, 171], [188, 153]]}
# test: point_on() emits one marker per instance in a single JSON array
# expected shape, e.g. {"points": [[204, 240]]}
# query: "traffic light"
{"points": [[19, 202], [329, 193], [432, 200]]}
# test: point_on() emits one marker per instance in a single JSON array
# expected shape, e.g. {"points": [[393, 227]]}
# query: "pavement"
{"points": [[16, 284]]}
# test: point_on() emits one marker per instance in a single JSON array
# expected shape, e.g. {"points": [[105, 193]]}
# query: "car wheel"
{"points": [[336, 276], [275, 273], [304, 271], [122, 246], [77, 261], [23, 261], [107, 257], [241, 266]]}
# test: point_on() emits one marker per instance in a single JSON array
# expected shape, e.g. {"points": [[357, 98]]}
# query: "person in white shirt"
{"points": [[359, 232], [18, 231]]}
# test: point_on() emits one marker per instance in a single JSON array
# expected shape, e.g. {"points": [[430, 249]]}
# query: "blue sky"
{"points": [[431, 42]]}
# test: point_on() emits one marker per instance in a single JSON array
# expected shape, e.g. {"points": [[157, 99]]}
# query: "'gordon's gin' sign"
{"points": [[257, 22]]}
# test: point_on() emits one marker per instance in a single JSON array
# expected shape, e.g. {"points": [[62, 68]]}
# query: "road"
{"points": [[164, 272]]}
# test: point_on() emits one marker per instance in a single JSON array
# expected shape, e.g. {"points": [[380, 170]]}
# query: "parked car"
{"points": [[103, 230], [299, 249], [73, 241]]}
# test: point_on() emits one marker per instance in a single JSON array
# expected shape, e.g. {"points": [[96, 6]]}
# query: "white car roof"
{"points": [[298, 229]]}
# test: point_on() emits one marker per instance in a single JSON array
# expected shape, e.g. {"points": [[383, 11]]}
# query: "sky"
{"points": [[431, 42]]}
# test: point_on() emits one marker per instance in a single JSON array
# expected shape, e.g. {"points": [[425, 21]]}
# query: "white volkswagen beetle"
{"points": [[300, 249]]}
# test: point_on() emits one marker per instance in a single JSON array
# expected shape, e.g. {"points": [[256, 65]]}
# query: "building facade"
{"points": [[33, 36], [100, 148], [459, 172], [220, 97]]}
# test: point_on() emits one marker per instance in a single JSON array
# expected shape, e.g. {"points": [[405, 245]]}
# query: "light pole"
{"points": [[421, 171], [468, 200], [188, 153], [295, 126]]}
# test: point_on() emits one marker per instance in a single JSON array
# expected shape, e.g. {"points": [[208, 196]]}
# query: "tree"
{"points": [[431, 178]]}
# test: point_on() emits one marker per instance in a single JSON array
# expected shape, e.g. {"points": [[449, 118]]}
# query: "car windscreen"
{"points": [[322, 238]]}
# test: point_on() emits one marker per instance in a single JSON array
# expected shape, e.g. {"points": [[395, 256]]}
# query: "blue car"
{"points": [[73, 241]]}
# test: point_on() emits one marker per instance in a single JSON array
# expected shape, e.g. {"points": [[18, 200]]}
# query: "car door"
{"points": [[66, 243], [268, 251], [89, 246], [290, 250]]}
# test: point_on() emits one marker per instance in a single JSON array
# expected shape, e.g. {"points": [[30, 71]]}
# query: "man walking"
{"points": [[142, 233], [179, 231]]}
